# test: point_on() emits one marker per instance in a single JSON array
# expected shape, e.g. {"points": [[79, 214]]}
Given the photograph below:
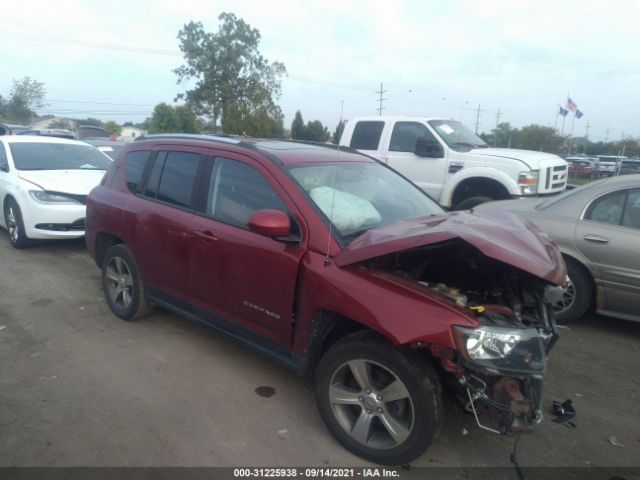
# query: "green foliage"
{"points": [[537, 137], [234, 82], [169, 119], [29, 91], [94, 122], [297, 127], [113, 128], [313, 131]]}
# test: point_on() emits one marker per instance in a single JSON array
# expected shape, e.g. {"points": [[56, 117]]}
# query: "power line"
{"points": [[99, 103]]}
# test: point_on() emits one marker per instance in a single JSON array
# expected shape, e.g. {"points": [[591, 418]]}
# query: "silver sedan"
{"points": [[597, 227]]}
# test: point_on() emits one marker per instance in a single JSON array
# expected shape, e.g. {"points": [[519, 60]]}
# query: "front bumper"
{"points": [[44, 221]]}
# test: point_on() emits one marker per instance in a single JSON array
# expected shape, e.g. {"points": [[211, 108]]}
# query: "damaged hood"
{"points": [[500, 235], [77, 182]]}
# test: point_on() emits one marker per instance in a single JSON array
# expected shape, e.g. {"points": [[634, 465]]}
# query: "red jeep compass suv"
{"points": [[334, 264]]}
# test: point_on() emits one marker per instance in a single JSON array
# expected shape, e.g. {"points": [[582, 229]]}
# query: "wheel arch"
{"points": [[102, 243], [569, 258], [479, 187]]}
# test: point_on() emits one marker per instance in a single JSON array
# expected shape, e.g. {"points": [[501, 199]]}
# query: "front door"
{"points": [[609, 235], [426, 172], [238, 275]]}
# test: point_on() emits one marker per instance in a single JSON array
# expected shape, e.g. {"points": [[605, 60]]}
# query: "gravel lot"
{"points": [[79, 387]]}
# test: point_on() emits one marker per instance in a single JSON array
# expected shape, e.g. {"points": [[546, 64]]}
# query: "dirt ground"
{"points": [[79, 387]]}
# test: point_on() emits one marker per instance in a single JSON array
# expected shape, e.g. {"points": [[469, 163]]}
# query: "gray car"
{"points": [[597, 227]]}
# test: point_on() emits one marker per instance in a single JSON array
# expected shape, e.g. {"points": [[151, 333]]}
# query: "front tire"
{"points": [[471, 202], [122, 285], [381, 403], [15, 225], [577, 297]]}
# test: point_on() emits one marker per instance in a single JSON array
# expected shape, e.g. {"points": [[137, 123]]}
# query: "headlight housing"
{"points": [[528, 182], [52, 198], [501, 349]]}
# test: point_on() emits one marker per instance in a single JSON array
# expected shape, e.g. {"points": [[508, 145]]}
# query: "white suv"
{"points": [[44, 183]]}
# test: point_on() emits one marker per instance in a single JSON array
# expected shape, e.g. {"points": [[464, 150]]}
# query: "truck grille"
{"points": [[555, 178]]}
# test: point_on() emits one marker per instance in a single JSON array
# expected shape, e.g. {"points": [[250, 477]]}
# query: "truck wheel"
{"points": [[381, 403], [577, 296], [15, 225], [469, 203], [122, 284]]}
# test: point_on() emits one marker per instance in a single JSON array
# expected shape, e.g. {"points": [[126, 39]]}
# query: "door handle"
{"points": [[596, 239], [205, 235]]}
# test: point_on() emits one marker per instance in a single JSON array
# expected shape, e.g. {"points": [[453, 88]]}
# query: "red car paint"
{"points": [[276, 289]]}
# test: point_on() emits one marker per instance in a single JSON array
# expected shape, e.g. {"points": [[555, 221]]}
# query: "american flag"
{"points": [[571, 106]]}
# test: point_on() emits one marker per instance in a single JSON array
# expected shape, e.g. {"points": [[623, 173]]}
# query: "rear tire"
{"points": [[578, 294], [15, 225], [469, 203], [381, 403], [122, 285]]}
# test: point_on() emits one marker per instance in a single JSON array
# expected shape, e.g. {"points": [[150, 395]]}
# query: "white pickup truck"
{"points": [[452, 164]]}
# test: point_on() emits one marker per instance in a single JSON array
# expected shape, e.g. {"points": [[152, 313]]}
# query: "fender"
{"points": [[490, 173]]}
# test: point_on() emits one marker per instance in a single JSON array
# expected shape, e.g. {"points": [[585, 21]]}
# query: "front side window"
{"points": [[366, 135], [57, 156], [237, 190], [406, 134], [357, 196], [456, 135], [607, 209], [178, 178]]}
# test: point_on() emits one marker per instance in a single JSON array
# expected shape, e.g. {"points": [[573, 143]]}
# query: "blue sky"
{"points": [[435, 58]]}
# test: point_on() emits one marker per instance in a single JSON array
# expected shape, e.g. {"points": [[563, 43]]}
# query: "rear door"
{"points": [[237, 275], [609, 236], [164, 218], [4, 178]]}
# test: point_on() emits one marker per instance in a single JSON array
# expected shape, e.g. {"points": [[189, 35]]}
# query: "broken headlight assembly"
{"points": [[501, 350]]}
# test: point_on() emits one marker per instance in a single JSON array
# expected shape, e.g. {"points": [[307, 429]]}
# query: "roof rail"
{"points": [[190, 136]]}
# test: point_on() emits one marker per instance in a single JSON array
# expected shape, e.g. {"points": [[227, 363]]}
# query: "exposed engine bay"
{"points": [[498, 367]]}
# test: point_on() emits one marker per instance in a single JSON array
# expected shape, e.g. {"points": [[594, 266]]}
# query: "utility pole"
{"points": [[478, 118], [380, 100], [606, 136], [495, 137], [586, 135]]}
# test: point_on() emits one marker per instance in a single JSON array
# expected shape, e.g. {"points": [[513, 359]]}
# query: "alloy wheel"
{"points": [[568, 298], [13, 224], [119, 282], [371, 404]]}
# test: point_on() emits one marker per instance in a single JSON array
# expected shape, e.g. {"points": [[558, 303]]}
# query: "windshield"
{"points": [[567, 193], [359, 196], [456, 135], [57, 156]]}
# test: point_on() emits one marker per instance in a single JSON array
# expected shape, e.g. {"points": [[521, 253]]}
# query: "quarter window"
{"points": [[366, 135], [135, 164], [178, 178], [236, 190]]}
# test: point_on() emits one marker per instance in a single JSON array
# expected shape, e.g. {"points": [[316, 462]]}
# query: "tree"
{"points": [[30, 91], [503, 136], [297, 127], [316, 132], [234, 82], [537, 137], [113, 128], [169, 119]]}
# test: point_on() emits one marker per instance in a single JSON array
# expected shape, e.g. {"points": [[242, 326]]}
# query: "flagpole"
{"points": [[555, 124], [571, 134]]}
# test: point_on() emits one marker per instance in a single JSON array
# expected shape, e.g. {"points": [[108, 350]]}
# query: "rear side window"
{"points": [[178, 178], [151, 189], [366, 135], [607, 209], [135, 163]]}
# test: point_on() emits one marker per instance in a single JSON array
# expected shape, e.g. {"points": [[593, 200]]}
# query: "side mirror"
{"points": [[426, 147], [270, 223]]}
